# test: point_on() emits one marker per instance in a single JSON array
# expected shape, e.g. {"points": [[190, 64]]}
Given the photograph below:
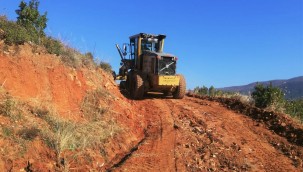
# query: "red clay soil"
{"points": [[158, 134], [200, 135], [42, 80]]}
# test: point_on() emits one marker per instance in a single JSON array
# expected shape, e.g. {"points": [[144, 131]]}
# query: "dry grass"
{"points": [[245, 99], [10, 107], [7, 106], [42, 121], [91, 107], [66, 135], [73, 58], [69, 136]]}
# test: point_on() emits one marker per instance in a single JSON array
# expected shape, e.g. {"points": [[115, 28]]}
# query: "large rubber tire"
{"points": [[122, 85], [128, 82], [137, 87], [181, 89]]}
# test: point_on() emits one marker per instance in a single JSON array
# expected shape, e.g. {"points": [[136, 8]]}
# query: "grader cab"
{"points": [[146, 68]]}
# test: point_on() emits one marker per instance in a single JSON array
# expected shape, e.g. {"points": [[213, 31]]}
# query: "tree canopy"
{"points": [[30, 17]]}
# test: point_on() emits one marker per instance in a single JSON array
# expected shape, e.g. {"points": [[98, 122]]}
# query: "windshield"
{"points": [[150, 45], [167, 66]]}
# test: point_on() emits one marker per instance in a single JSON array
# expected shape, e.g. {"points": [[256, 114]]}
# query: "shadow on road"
{"points": [[149, 95]]}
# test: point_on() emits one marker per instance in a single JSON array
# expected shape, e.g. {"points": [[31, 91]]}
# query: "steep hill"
{"points": [[293, 88], [54, 117]]}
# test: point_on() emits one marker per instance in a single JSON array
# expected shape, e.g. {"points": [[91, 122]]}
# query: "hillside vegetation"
{"points": [[268, 97]]}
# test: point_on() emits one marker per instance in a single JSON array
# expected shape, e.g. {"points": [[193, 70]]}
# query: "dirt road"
{"points": [[156, 134], [200, 135]]}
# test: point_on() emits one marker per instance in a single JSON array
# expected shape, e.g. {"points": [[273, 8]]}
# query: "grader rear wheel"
{"points": [[122, 85], [137, 87]]}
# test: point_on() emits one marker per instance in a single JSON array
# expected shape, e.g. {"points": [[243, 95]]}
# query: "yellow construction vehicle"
{"points": [[146, 68]]}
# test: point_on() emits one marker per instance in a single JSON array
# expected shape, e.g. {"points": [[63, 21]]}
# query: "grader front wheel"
{"points": [[181, 89]]}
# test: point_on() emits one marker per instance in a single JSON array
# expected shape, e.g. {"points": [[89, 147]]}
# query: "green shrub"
{"points": [[201, 90], [52, 46], [219, 93], [89, 56], [295, 108], [268, 96], [34, 35], [88, 60], [106, 67], [13, 33]]}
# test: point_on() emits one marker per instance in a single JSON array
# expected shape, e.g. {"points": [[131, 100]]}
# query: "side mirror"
{"points": [[125, 49]]}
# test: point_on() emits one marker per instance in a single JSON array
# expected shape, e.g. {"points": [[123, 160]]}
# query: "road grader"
{"points": [[146, 68]]}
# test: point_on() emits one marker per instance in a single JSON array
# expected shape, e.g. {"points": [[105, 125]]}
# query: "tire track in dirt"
{"points": [[156, 153], [199, 135]]}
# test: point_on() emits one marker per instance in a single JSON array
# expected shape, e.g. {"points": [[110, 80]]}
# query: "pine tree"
{"points": [[204, 90], [30, 18], [212, 91]]}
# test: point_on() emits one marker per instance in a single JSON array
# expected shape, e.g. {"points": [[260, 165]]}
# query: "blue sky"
{"points": [[218, 42]]}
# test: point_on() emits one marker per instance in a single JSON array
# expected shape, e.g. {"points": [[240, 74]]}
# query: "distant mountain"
{"points": [[293, 88]]}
